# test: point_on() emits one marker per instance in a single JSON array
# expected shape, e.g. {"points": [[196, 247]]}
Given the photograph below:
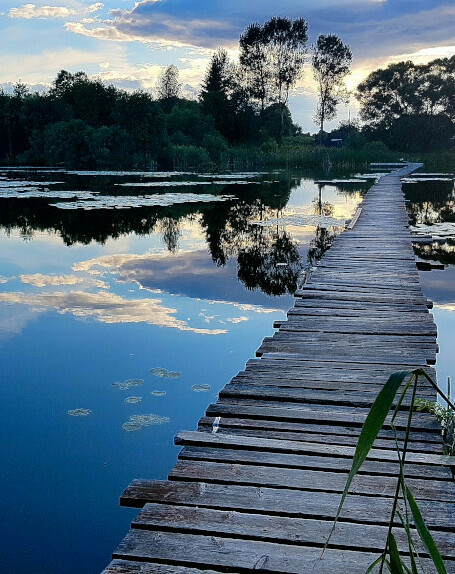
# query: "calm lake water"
{"points": [[127, 301]]}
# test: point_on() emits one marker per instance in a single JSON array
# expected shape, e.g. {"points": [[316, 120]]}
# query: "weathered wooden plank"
{"points": [[323, 437], [307, 448], [353, 221], [301, 413], [301, 531], [297, 479], [133, 567], [246, 555], [282, 502], [336, 432], [310, 462], [300, 395], [348, 365], [408, 362]]}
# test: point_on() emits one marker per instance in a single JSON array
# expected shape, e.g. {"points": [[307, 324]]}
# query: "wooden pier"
{"points": [[257, 486]]}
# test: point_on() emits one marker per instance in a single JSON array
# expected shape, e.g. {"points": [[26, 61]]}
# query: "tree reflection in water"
{"points": [[324, 237], [267, 258], [432, 202]]}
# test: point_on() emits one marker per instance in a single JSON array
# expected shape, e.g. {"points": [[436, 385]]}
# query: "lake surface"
{"points": [[127, 301], [432, 210]]}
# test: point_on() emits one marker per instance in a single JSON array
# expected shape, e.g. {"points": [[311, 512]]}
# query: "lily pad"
{"points": [[125, 385], [130, 426], [149, 420], [79, 412], [133, 400], [161, 372], [201, 388]]}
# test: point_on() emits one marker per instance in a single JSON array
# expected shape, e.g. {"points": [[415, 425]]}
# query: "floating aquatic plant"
{"points": [[124, 385], [130, 426], [340, 181], [79, 412], [37, 193], [133, 400], [161, 372], [201, 388], [302, 220], [134, 201], [149, 420]]}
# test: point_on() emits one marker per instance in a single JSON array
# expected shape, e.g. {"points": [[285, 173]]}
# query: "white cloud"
{"points": [[95, 7], [236, 320], [40, 280], [445, 306], [100, 33], [29, 11], [107, 307]]}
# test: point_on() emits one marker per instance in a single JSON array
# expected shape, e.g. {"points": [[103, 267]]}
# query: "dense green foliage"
{"points": [[410, 107]]}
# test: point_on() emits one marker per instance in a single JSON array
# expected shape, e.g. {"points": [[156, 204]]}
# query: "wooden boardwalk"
{"points": [[256, 487]]}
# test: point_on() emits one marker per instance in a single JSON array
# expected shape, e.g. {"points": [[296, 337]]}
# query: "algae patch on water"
{"points": [[149, 420], [161, 372], [125, 385], [130, 426], [201, 388], [79, 412], [136, 422], [133, 400]]}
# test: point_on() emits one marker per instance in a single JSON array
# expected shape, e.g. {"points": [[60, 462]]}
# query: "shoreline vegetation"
{"points": [[240, 119]]}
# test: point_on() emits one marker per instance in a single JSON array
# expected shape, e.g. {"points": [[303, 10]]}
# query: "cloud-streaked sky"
{"points": [[127, 43]]}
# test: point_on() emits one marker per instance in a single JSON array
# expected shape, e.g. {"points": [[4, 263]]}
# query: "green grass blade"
{"points": [[424, 533], [411, 546], [400, 400], [371, 427], [375, 419], [372, 566], [395, 559]]}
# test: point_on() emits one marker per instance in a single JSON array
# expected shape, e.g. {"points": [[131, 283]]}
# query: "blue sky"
{"points": [[127, 43]]}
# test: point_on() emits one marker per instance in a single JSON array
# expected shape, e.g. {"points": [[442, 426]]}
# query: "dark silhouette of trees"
{"points": [[420, 133], [169, 88], [254, 65], [410, 107], [272, 58], [271, 264], [331, 61], [405, 88], [224, 98]]}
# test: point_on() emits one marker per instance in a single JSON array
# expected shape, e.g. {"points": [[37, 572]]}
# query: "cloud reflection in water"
{"points": [[107, 308]]}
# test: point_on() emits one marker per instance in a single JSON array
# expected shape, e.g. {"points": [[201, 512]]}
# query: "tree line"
{"points": [[82, 122]]}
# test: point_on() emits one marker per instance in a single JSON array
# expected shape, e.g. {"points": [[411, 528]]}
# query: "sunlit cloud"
{"points": [[40, 280], [445, 306], [29, 11], [108, 308], [235, 320]]}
